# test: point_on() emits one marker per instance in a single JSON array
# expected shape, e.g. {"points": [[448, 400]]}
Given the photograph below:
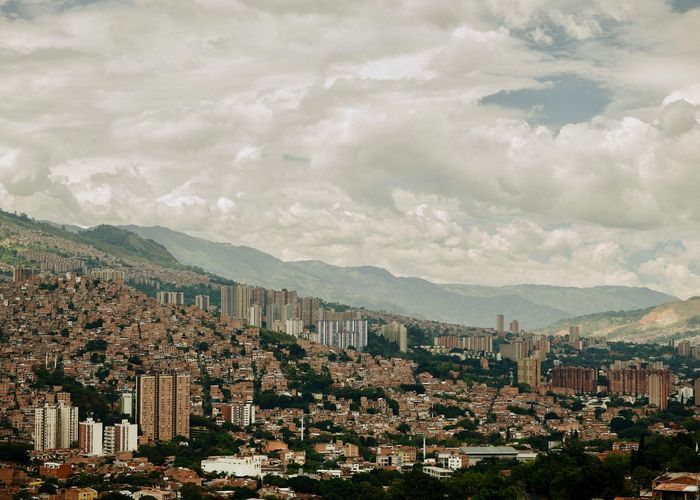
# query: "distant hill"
{"points": [[109, 239], [120, 242], [578, 301], [71, 228], [654, 324], [374, 288]]}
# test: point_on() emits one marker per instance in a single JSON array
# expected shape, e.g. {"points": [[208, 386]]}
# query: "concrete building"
{"points": [[477, 343], [343, 334], [452, 460], [241, 301], [478, 453], [103, 274], [75, 493], [234, 466], [635, 380], [659, 389], [515, 351], [120, 437], [126, 403], [575, 336], [241, 414], [227, 301], [294, 327], [163, 405], [579, 379], [171, 298], [500, 323], [55, 427], [437, 472], [202, 302], [529, 372], [21, 274], [309, 310], [397, 333], [90, 437], [255, 315], [108, 446]]}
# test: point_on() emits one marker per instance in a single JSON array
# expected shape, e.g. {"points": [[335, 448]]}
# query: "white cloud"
{"points": [[352, 132]]}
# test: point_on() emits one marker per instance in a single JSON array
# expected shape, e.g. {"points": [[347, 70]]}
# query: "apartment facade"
{"points": [[163, 405]]}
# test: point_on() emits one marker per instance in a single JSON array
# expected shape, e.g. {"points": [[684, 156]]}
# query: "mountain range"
{"points": [[672, 320], [534, 306]]}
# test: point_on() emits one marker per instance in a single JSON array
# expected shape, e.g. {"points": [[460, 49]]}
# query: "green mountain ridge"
{"points": [[118, 241], [534, 306], [108, 239]]}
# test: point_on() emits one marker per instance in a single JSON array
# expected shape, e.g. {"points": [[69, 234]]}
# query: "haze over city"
{"points": [[477, 142]]}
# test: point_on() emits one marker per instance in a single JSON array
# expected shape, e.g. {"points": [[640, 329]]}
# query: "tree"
{"points": [[191, 491], [416, 485], [404, 428], [47, 488]]}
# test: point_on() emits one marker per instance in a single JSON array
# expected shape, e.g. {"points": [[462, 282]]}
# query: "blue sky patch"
{"points": [[565, 99]]}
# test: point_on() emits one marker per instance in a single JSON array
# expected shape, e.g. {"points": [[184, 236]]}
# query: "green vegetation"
{"points": [[270, 399], [125, 243], [379, 346], [15, 452], [206, 441], [303, 378], [269, 338], [91, 402], [567, 474], [109, 239]]}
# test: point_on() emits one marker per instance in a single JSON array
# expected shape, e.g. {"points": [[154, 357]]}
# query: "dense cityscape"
{"points": [[136, 381]]}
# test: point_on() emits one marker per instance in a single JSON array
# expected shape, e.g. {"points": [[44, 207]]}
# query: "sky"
{"points": [[492, 142]]}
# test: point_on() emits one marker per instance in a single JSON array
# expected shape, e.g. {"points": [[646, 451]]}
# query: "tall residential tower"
{"points": [[163, 406]]}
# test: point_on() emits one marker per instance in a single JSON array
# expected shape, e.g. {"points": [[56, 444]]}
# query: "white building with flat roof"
{"points": [[437, 472], [477, 453], [250, 466]]}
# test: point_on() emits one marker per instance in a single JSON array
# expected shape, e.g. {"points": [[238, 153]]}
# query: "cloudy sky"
{"points": [[490, 142]]}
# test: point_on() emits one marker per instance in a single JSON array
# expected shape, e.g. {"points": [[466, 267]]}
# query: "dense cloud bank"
{"points": [[368, 132]]}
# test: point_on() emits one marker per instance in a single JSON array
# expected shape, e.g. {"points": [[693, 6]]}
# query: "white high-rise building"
{"points": [[126, 436], [242, 414], [343, 333], [126, 403], [108, 440], [294, 327], [55, 427], [90, 437], [121, 437], [255, 315], [69, 425], [46, 428]]}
